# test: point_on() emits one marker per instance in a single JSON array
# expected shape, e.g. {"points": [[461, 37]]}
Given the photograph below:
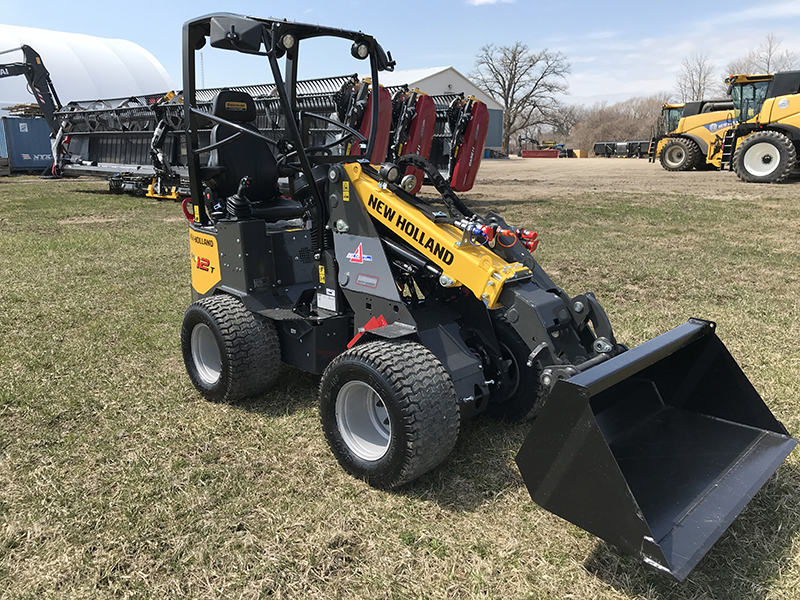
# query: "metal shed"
{"points": [[447, 80]]}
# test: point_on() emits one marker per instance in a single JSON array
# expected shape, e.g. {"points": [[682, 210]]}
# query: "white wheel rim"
{"points": [[363, 420], [675, 156], [205, 354], [761, 159]]}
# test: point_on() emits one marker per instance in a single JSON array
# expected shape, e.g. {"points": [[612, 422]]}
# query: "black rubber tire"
{"points": [[524, 393], [417, 404], [681, 154], [219, 333], [765, 157]]}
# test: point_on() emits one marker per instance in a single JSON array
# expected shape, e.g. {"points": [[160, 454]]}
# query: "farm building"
{"points": [[443, 80]]}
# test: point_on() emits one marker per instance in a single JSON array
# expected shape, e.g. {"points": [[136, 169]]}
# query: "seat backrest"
{"points": [[246, 155]]}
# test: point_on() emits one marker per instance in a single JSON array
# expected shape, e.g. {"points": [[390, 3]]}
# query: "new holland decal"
{"points": [[205, 261], [432, 246]]}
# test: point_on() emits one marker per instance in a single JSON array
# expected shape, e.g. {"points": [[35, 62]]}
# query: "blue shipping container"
{"points": [[27, 143]]}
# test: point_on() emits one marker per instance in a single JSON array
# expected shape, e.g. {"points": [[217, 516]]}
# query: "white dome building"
{"points": [[82, 67]]}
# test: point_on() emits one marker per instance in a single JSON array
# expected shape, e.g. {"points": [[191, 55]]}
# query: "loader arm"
{"points": [[443, 244], [555, 327]]}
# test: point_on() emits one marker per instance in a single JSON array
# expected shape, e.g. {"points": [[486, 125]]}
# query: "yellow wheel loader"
{"points": [[694, 134], [419, 313], [764, 145]]}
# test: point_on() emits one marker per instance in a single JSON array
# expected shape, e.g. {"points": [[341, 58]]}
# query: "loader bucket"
{"points": [[657, 449]]}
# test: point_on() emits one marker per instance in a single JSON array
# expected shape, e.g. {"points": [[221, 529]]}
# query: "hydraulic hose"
{"points": [[454, 204]]}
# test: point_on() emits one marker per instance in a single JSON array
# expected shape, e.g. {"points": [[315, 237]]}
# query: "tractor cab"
{"points": [[748, 93], [670, 117]]}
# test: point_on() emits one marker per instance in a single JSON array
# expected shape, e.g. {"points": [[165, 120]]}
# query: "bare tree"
{"points": [[563, 119], [525, 83], [767, 58], [696, 77]]}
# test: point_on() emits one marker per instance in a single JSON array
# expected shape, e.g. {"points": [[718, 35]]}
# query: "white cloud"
{"points": [[767, 12], [600, 35], [482, 2]]}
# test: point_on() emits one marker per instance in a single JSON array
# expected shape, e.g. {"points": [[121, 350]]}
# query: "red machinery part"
{"points": [[420, 135], [384, 124], [471, 151], [184, 206], [540, 153]]}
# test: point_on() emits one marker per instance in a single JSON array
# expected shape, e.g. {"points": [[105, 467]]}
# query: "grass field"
{"points": [[118, 480]]}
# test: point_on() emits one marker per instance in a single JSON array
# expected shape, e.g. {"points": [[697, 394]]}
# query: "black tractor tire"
{"points": [[389, 411], [765, 157], [522, 393], [681, 154], [230, 353]]}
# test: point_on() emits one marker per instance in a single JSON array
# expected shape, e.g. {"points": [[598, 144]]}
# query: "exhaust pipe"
{"points": [[656, 450]]}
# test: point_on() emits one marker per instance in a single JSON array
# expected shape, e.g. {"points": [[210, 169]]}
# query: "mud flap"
{"points": [[656, 450]]}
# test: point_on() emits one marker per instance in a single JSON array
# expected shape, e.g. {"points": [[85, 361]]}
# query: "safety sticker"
{"points": [[365, 280]]}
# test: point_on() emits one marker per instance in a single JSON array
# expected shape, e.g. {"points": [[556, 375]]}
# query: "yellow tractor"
{"points": [[694, 134], [418, 314], [763, 146]]}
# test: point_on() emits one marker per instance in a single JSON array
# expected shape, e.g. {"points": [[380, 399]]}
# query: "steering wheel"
{"points": [[349, 130], [240, 129]]}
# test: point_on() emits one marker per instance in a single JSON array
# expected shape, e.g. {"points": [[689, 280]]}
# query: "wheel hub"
{"points": [[675, 155], [363, 420], [205, 354], [761, 159]]}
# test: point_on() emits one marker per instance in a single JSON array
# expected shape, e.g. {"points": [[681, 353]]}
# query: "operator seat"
{"points": [[247, 156]]}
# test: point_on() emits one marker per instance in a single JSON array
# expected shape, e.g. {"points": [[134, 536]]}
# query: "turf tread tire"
{"points": [[786, 151], [692, 157], [419, 396], [248, 344]]}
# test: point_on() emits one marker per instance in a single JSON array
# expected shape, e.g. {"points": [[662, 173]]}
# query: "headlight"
{"points": [[359, 50], [389, 172], [288, 41]]}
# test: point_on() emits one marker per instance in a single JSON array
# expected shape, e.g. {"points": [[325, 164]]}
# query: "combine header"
{"points": [[418, 313], [138, 142]]}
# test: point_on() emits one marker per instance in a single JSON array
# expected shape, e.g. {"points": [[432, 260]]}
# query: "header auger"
{"points": [[419, 313]]}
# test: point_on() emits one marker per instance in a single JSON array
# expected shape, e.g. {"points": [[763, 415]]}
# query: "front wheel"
{"points": [[389, 411], [680, 154], [230, 353], [522, 394], [765, 157]]}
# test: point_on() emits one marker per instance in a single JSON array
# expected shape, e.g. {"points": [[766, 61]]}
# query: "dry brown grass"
{"points": [[117, 480]]}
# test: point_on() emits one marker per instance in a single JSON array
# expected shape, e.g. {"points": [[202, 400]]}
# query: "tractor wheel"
{"points": [[523, 394], [230, 352], [765, 157], [680, 154], [389, 411]]}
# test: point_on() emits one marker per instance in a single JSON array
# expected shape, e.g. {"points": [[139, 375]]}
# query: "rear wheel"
{"points": [[765, 157], [389, 411], [680, 154], [522, 394], [230, 353]]}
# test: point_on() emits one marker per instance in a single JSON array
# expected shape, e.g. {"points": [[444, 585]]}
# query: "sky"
{"points": [[617, 49]]}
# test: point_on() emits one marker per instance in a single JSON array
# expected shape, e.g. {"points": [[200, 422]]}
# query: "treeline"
{"points": [[633, 119]]}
